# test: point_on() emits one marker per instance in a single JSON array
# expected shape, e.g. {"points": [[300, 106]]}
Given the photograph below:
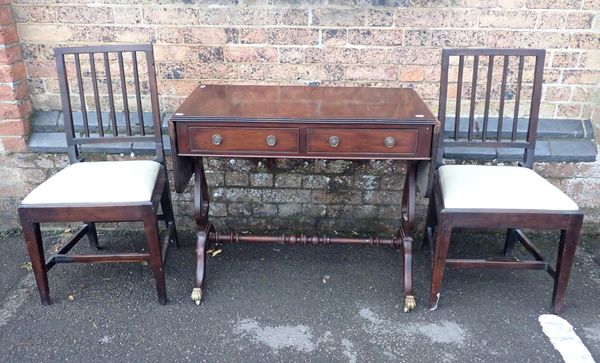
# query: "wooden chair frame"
{"points": [[441, 220], [31, 216]]}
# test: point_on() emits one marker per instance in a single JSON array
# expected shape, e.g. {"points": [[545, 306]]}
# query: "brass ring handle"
{"points": [[271, 140], [390, 141], [334, 141], [217, 139]]}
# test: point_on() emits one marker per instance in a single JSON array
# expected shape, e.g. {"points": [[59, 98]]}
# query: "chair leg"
{"points": [[566, 253], [156, 262], [442, 242], [511, 240], [167, 209], [92, 235], [430, 223], [35, 248]]}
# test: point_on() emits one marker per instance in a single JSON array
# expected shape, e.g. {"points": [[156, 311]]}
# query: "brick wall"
{"points": [[15, 106], [387, 43], [296, 42]]}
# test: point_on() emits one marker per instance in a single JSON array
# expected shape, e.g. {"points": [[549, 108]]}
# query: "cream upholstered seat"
{"points": [[103, 182], [499, 187]]}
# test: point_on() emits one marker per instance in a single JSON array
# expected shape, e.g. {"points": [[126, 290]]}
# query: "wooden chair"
{"points": [[105, 191], [499, 197]]}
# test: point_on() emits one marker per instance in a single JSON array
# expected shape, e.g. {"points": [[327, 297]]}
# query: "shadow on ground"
{"points": [[288, 303]]}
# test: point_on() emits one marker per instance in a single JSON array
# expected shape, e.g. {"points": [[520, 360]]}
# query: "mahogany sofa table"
{"points": [[351, 123]]}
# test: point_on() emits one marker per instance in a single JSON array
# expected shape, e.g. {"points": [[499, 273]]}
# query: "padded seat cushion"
{"points": [[101, 182], [500, 187]]}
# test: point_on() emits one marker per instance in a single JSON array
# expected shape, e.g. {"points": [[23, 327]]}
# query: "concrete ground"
{"points": [[287, 303]]}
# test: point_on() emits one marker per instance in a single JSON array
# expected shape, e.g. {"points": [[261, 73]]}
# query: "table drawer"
{"points": [[363, 141], [242, 140]]}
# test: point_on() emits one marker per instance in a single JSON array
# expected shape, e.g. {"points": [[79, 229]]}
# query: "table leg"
{"points": [[203, 227], [407, 224]]}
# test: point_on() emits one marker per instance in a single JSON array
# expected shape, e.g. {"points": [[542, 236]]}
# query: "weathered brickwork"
{"points": [[377, 43], [370, 43], [15, 106]]}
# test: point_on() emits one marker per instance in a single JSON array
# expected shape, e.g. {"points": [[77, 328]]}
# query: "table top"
{"points": [[281, 103]]}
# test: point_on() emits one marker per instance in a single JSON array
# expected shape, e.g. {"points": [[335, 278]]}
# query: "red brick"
{"points": [[291, 16], [293, 36], [334, 37], [12, 72], [8, 34], [511, 4], [253, 36], [291, 55], [13, 143], [250, 54], [422, 18], [127, 34], [553, 4], [84, 14], [527, 39], [584, 94], [579, 21], [411, 74], [10, 55], [41, 68], [380, 18], [464, 18], [177, 87], [212, 36], [15, 111], [127, 15], [6, 17], [168, 15], [565, 59], [590, 60], [421, 56], [369, 73], [557, 93], [591, 4], [13, 91], [551, 20], [252, 16], [19, 127], [375, 37], [338, 17], [568, 110], [581, 77], [508, 19], [585, 40]]}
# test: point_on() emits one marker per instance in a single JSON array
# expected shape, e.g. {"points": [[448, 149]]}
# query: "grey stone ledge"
{"points": [[560, 140], [55, 142], [547, 128]]}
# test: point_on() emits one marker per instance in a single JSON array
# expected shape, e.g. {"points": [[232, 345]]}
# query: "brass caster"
{"points": [[197, 295], [410, 303]]}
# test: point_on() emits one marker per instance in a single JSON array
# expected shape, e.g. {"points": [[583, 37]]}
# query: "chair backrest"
{"points": [[511, 92], [110, 78]]}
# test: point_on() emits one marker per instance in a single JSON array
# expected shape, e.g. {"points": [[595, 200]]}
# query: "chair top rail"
{"points": [[493, 52], [103, 48]]}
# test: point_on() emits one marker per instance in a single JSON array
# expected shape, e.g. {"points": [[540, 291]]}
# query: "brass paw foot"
{"points": [[410, 303], [197, 295]]}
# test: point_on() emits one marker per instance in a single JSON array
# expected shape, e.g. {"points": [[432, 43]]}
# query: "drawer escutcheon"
{"points": [[271, 140], [217, 139], [390, 141], [334, 141]]}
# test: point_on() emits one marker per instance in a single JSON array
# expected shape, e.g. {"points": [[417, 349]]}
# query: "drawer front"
{"points": [[363, 141], [242, 140]]}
